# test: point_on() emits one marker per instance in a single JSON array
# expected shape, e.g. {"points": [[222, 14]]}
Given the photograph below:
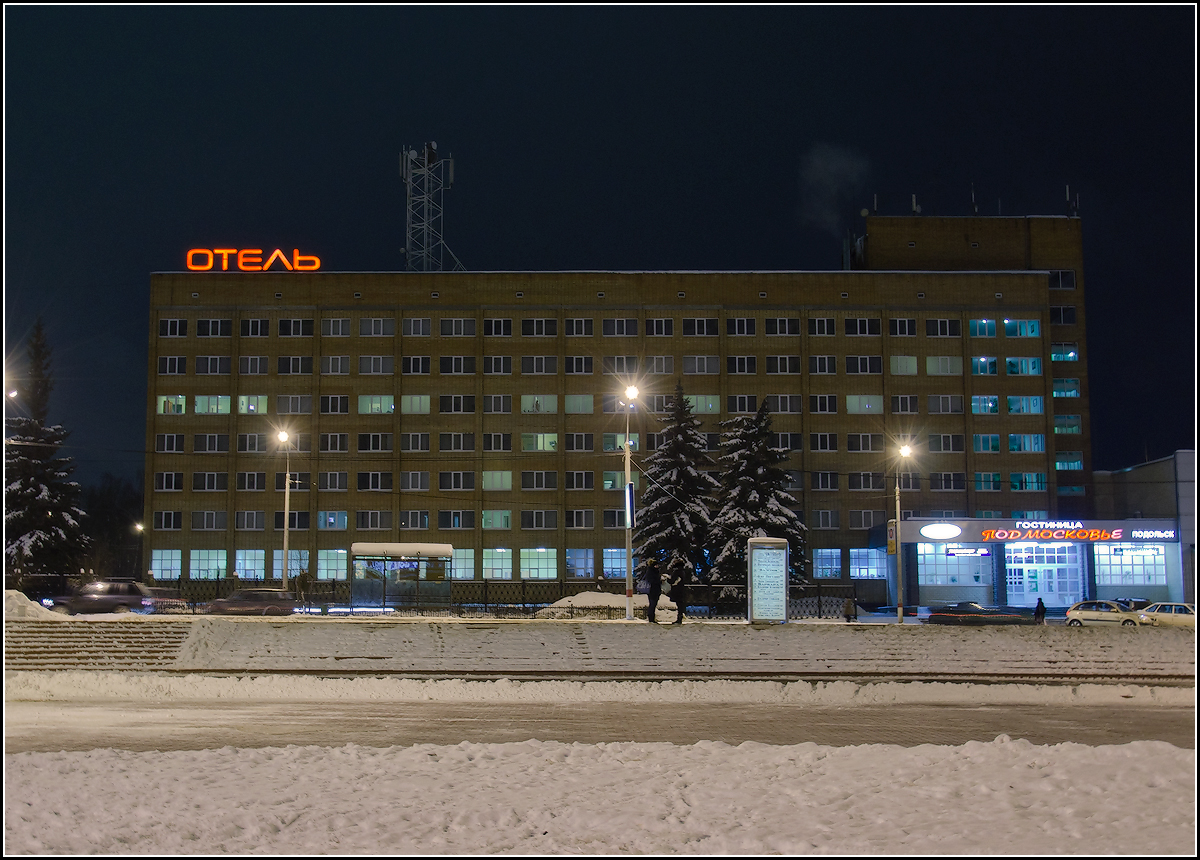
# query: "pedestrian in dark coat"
{"points": [[1039, 612], [677, 580], [654, 582], [849, 609]]}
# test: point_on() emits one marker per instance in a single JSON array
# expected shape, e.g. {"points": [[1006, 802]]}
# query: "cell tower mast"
{"points": [[425, 176]]}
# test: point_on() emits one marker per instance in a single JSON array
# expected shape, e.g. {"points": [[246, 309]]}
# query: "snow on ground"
{"points": [[1007, 796]]}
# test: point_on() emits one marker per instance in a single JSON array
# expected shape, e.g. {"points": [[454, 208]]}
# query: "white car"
{"points": [[1105, 613], [1169, 615]]}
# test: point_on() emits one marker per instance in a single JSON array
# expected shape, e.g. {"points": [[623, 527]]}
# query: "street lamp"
{"points": [[905, 451], [631, 394], [287, 500]]}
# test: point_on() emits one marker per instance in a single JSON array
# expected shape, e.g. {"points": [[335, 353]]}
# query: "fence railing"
{"points": [[493, 598]]}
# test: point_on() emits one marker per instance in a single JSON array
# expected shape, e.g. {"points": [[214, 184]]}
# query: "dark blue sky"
{"points": [[590, 138]]}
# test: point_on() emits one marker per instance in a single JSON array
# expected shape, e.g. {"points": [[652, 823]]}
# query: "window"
{"points": [[211, 443], [497, 480], [539, 328], [1062, 279], [822, 442], [209, 521], [864, 404], [943, 328], [172, 328], [704, 404], [983, 366], [415, 481], [945, 442], [824, 480], [580, 480], [822, 403], [252, 443], [415, 327], [453, 365], [414, 519], [778, 326], [375, 481], [1023, 366], [498, 562], [414, 441], [825, 519], [295, 328], [827, 563], [616, 480], [614, 518], [902, 327], [736, 403], [331, 564], [1022, 328], [1068, 461], [497, 328], [1027, 481], [579, 404], [374, 442], [739, 326], [865, 520], [414, 404], [210, 481], [376, 404], [982, 328], [457, 327], [456, 441], [660, 328], [456, 403], [1063, 351], [625, 365], [1066, 388], [986, 443], [373, 364], [335, 404], [865, 480], [206, 564], [546, 404], [338, 481], [864, 441], [253, 365], [373, 520], [868, 563], [539, 519], [1068, 423], [784, 403], [864, 364], [539, 480], [579, 327], [168, 521], [498, 364], [295, 364], [947, 480], [256, 328], [293, 404], [497, 441], [944, 365], [940, 404], [172, 404], [660, 364], [620, 327], [495, 519], [616, 442], [904, 404], [249, 521], [456, 519], [581, 563], [415, 365], [334, 442], [172, 365], [497, 403], [336, 327], [861, 326], [214, 328], [903, 365], [298, 442], [1062, 315], [579, 441], [701, 364], [168, 481], [825, 364], [578, 364], [252, 404], [985, 404], [742, 364], [375, 326], [331, 520], [1034, 405], [821, 326], [301, 481], [214, 364], [699, 327], [456, 480]]}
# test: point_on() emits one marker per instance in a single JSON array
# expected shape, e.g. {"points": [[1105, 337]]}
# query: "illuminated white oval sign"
{"points": [[940, 531]]}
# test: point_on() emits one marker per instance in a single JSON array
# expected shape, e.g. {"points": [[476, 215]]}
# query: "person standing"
{"points": [[678, 592], [1039, 612], [654, 592], [849, 609]]}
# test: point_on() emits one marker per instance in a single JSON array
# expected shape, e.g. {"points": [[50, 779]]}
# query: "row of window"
{"points": [[615, 327], [386, 481], [548, 365]]}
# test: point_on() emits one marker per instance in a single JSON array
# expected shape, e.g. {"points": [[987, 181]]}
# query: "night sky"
{"points": [[589, 138]]}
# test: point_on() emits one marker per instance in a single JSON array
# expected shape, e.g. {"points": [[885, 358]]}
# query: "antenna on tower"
{"points": [[426, 175], [974, 205]]}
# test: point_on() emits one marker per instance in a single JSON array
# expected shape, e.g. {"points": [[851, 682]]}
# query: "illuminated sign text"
{"points": [[1052, 534], [250, 260]]}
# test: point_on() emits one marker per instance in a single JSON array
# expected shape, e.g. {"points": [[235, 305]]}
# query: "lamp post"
{"points": [[631, 394], [905, 451], [287, 500], [141, 532]]}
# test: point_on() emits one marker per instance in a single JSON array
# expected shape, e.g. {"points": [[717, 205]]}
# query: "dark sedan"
{"points": [[256, 601], [99, 597], [970, 612]]}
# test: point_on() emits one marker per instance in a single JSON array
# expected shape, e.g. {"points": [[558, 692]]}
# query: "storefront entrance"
{"points": [[1050, 571]]}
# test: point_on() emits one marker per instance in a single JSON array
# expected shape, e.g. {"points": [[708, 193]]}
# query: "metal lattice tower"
{"points": [[425, 176]]}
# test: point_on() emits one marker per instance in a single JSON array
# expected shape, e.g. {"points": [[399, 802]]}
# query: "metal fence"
{"points": [[491, 598]]}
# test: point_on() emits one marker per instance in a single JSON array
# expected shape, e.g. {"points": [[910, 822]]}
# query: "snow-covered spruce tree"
{"points": [[673, 520], [754, 501], [43, 531]]}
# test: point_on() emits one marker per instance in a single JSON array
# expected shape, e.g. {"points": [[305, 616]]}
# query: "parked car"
{"points": [[1169, 615], [969, 612], [1105, 613], [106, 596], [1133, 604], [168, 602], [256, 601]]}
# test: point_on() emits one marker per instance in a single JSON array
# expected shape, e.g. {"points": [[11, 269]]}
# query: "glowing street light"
{"points": [[905, 452], [631, 394]]}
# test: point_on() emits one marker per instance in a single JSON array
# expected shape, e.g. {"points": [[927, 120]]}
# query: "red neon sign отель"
{"points": [[250, 260]]}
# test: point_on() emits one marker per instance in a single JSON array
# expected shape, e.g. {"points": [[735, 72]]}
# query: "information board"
{"points": [[767, 579]]}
